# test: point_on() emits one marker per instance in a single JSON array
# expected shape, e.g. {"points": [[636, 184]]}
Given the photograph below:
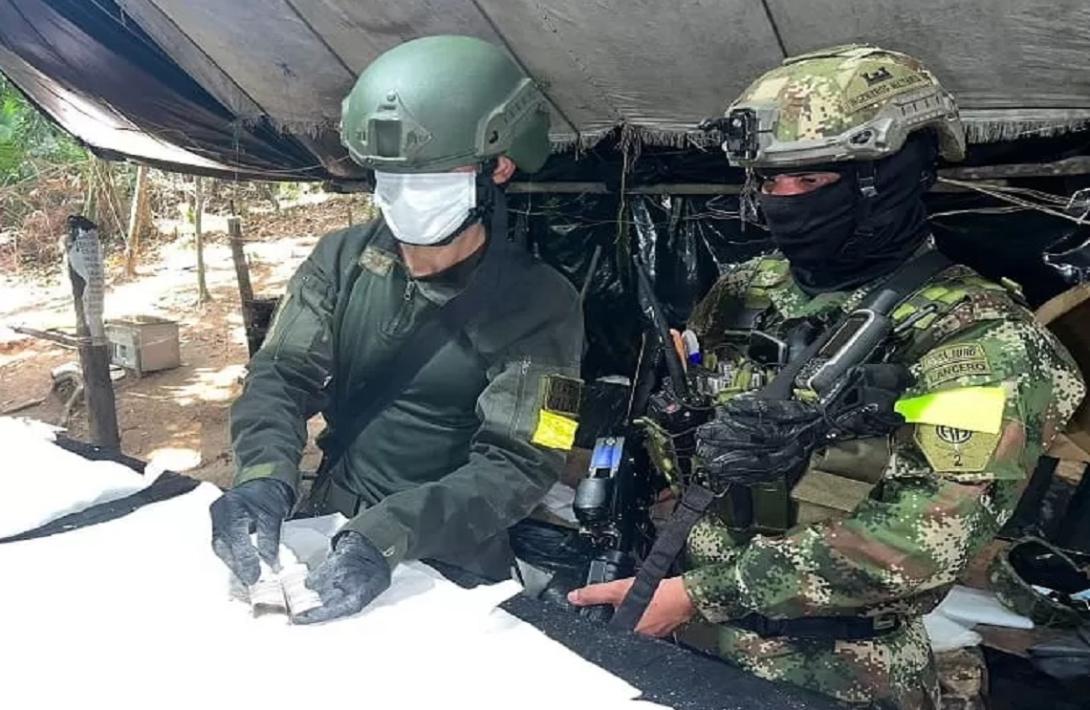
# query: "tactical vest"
{"points": [[746, 341]]}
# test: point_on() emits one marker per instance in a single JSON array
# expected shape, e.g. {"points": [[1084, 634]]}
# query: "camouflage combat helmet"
{"points": [[441, 102], [852, 102], [1013, 575]]}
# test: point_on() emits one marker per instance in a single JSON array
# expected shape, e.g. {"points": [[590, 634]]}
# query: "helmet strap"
{"points": [[747, 200], [866, 185]]}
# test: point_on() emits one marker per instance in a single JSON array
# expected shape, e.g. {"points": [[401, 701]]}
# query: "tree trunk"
{"points": [[108, 197], [137, 217], [90, 203], [102, 203], [202, 286]]}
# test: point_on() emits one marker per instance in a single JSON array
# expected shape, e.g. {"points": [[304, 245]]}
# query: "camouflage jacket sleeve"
{"points": [[508, 472], [287, 378], [944, 493]]}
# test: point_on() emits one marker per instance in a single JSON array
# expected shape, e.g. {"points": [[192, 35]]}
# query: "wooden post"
{"points": [[198, 198], [137, 217], [245, 288], [85, 270]]}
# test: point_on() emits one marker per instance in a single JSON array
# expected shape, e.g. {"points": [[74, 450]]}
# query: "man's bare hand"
{"points": [[669, 608]]}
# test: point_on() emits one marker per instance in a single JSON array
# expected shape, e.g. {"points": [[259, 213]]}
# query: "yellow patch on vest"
{"points": [[554, 431], [972, 408], [956, 450]]}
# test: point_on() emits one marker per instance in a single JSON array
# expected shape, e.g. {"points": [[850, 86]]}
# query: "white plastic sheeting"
{"points": [[137, 613], [38, 484], [950, 624]]}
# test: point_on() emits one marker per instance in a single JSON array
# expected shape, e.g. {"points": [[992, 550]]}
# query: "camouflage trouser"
{"points": [[896, 670]]}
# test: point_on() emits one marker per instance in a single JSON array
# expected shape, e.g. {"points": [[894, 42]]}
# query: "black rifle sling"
{"points": [[696, 499], [422, 346]]}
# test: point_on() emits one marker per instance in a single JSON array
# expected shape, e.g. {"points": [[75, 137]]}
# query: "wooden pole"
{"points": [[136, 219], [85, 270], [198, 198], [245, 288]]}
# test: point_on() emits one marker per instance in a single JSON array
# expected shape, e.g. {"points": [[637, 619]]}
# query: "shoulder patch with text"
{"points": [[953, 361]]}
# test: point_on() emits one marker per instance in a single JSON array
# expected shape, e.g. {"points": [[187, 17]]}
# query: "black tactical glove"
{"points": [[349, 579], [860, 404], [753, 440], [259, 505]]}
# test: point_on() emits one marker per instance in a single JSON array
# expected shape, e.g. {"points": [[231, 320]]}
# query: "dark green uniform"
{"points": [[466, 449]]}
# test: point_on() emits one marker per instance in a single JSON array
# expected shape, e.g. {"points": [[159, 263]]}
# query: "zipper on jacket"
{"points": [[406, 307]]}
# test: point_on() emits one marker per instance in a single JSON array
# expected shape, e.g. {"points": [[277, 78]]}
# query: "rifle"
{"points": [[612, 503]]}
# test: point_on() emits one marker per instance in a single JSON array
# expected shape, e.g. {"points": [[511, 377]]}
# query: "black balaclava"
{"points": [[859, 228]]}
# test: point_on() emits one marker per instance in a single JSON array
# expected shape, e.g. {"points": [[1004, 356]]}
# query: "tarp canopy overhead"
{"points": [[256, 85]]}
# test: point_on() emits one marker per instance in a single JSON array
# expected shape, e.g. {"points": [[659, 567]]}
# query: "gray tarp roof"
{"points": [[1018, 67]]}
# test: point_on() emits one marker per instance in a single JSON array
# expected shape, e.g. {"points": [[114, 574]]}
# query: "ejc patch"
{"points": [[956, 450], [953, 361], [557, 419]]}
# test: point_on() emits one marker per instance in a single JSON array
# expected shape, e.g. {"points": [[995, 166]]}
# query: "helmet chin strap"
{"points": [[865, 175], [488, 194]]}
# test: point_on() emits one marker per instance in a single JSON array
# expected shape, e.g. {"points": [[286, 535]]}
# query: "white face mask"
{"points": [[425, 208]]}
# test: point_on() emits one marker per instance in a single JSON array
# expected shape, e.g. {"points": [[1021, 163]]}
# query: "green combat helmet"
{"points": [[438, 103], [1037, 580], [853, 102]]}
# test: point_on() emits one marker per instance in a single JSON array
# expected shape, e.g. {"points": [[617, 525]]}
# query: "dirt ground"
{"points": [[176, 417]]}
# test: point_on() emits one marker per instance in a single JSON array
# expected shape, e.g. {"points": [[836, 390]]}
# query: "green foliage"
{"points": [[28, 139], [288, 191]]}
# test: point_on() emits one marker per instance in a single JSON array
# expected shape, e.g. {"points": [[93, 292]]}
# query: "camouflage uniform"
{"points": [[926, 504]]}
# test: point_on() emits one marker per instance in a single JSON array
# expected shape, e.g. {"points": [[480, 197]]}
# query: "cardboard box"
{"points": [[143, 343]]}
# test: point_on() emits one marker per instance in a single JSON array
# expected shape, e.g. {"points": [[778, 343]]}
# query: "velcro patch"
{"points": [[950, 362], [376, 260], [561, 394], [558, 416], [862, 94], [951, 450]]}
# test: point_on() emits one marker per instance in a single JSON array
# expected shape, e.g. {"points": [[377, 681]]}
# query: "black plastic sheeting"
{"points": [[685, 241], [671, 674], [94, 50], [688, 241], [90, 48]]}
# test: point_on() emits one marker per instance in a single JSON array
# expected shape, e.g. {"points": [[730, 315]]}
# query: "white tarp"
{"points": [[38, 484], [136, 613]]}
